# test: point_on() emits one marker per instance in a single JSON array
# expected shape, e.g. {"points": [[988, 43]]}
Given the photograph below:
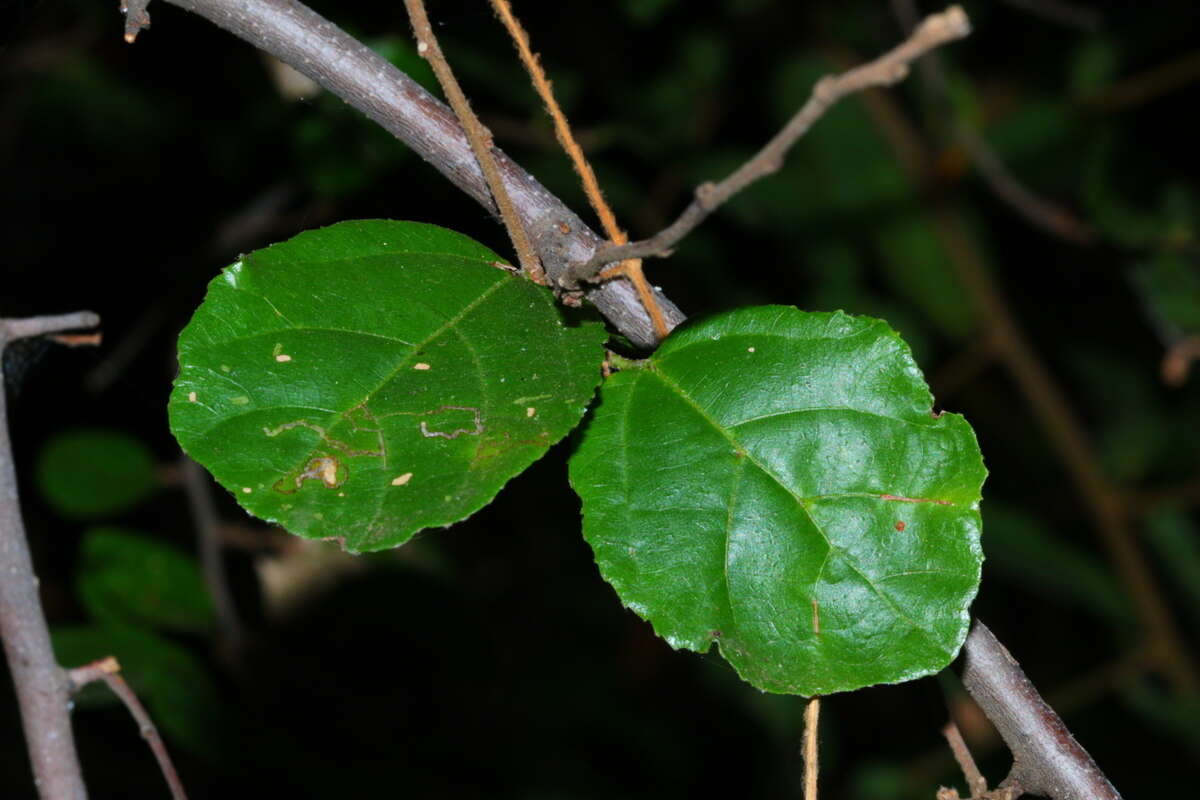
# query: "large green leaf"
{"points": [[775, 481], [373, 378]]}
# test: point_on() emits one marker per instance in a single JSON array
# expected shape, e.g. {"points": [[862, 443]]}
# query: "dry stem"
{"points": [[812, 713], [630, 268], [481, 140]]}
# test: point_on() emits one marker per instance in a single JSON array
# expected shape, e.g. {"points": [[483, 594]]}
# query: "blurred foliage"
{"points": [[129, 577], [95, 473], [516, 673]]}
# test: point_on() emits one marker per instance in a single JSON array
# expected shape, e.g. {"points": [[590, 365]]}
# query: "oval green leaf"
{"points": [[370, 379], [130, 578], [93, 473], [775, 481]]}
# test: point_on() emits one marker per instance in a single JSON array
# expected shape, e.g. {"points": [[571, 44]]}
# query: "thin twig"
{"points": [[209, 542], [888, 69], [41, 685], [1068, 14], [629, 268], [108, 670], [812, 713], [1046, 758], [976, 783], [481, 140]]}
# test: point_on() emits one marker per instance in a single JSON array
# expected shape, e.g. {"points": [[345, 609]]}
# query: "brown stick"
{"points": [[1046, 758], [630, 269], [43, 692], [812, 715], [107, 670], [481, 144], [888, 69], [315, 47], [976, 783]]}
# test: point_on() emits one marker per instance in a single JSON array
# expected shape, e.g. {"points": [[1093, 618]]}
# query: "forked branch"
{"points": [[109, 671], [1047, 760], [314, 46], [43, 691], [890, 68]]}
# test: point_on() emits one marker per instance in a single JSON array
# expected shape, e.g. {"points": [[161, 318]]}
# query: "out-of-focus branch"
{"points": [[43, 691], [108, 670], [209, 543], [1047, 760], [1037, 211], [315, 47], [890, 68]]}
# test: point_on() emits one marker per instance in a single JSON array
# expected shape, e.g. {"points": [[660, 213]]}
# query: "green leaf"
{"points": [[374, 378], [95, 472], [774, 481], [128, 577], [173, 684]]}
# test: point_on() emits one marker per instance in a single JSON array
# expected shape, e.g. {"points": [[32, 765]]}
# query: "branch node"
{"points": [[137, 18]]}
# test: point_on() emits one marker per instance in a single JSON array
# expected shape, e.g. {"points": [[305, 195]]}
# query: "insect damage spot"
{"points": [[450, 422], [900, 526], [191, 397], [529, 412], [337, 444], [816, 617], [283, 358], [400, 480], [326, 469]]}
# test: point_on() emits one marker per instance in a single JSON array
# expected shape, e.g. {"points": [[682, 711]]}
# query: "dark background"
{"points": [[490, 659]]}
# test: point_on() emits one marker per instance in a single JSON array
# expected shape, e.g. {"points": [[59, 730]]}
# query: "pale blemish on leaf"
{"points": [[400, 480], [326, 469], [749, 349], [246, 490], [226, 368], [337, 444], [191, 397], [421, 365], [283, 358], [427, 429], [816, 617], [529, 412], [240, 400]]}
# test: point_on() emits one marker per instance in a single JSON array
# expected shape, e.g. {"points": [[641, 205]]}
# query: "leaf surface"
{"points": [[374, 378], [774, 481]]}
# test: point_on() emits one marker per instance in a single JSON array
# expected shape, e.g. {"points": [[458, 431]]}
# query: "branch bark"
{"points": [[43, 690], [316, 47], [1047, 760]]}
